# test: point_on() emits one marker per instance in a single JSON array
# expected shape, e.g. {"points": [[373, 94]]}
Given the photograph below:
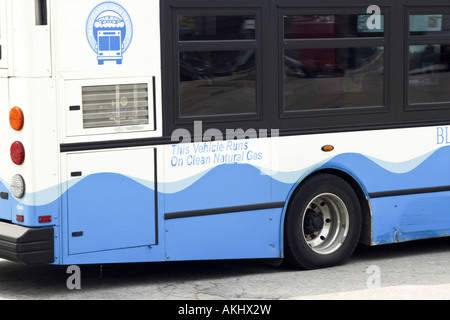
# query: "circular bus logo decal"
{"points": [[109, 31]]}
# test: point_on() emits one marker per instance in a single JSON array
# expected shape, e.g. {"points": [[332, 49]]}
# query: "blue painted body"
{"points": [[112, 211], [5, 204], [241, 235], [408, 217], [123, 219], [226, 185]]}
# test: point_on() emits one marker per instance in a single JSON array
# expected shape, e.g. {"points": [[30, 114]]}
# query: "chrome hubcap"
{"points": [[325, 223]]}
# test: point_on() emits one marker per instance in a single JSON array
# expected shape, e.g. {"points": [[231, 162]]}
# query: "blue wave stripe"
{"points": [[243, 184], [224, 186], [417, 173]]}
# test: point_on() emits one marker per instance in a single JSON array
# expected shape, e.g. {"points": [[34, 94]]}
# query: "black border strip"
{"points": [[406, 192], [226, 210], [156, 198], [155, 114], [114, 144]]}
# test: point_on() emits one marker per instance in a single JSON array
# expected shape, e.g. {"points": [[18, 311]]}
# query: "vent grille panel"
{"points": [[115, 105]]}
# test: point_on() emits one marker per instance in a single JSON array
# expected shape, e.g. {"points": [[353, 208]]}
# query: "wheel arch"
{"points": [[358, 188]]}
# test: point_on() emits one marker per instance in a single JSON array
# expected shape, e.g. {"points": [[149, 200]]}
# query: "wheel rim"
{"points": [[325, 223]]}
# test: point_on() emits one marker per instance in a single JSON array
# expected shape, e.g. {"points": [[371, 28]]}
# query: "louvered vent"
{"points": [[116, 105]]}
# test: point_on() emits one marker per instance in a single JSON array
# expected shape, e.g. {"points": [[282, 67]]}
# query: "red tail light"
{"points": [[17, 153], [45, 219]]}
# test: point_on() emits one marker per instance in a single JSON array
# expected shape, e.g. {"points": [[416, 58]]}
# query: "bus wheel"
{"points": [[323, 223]]}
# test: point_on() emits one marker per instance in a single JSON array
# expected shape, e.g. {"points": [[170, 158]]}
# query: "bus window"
{"points": [[329, 26], [331, 77], [429, 62], [203, 28], [334, 78], [217, 82]]}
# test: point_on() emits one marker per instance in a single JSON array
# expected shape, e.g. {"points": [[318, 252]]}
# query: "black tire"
{"points": [[323, 223]]}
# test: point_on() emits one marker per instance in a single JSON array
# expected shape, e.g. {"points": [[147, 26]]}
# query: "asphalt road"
{"points": [[416, 270]]}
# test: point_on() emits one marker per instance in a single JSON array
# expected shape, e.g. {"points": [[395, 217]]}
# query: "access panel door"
{"points": [[111, 200]]}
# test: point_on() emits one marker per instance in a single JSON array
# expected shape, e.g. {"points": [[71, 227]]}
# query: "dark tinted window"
{"points": [[200, 28], [429, 74], [329, 26], [217, 83], [429, 60], [333, 78], [217, 61]]}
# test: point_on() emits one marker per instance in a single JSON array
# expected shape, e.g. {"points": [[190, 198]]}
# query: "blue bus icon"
{"points": [[109, 30], [109, 47]]}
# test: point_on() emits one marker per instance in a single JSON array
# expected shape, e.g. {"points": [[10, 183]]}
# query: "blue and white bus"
{"points": [[255, 129]]}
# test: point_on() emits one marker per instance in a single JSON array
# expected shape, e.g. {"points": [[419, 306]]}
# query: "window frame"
{"points": [[218, 45], [394, 113], [330, 43], [411, 40]]}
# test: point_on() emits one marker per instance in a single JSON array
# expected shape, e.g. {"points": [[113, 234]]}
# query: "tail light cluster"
{"points": [[16, 119], [17, 152]]}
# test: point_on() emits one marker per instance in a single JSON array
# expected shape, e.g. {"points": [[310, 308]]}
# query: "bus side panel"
{"points": [[412, 217], [405, 204], [3, 39], [401, 178], [5, 203], [202, 179], [5, 199], [125, 255], [36, 98], [31, 55], [219, 174], [241, 235], [111, 200]]}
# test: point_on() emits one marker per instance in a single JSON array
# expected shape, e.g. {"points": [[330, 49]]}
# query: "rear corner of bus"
{"points": [[28, 223]]}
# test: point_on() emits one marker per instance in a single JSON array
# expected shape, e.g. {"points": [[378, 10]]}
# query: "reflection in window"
{"points": [[217, 83], [329, 26], [203, 28], [333, 78], [429, 24], [429, 74]]}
